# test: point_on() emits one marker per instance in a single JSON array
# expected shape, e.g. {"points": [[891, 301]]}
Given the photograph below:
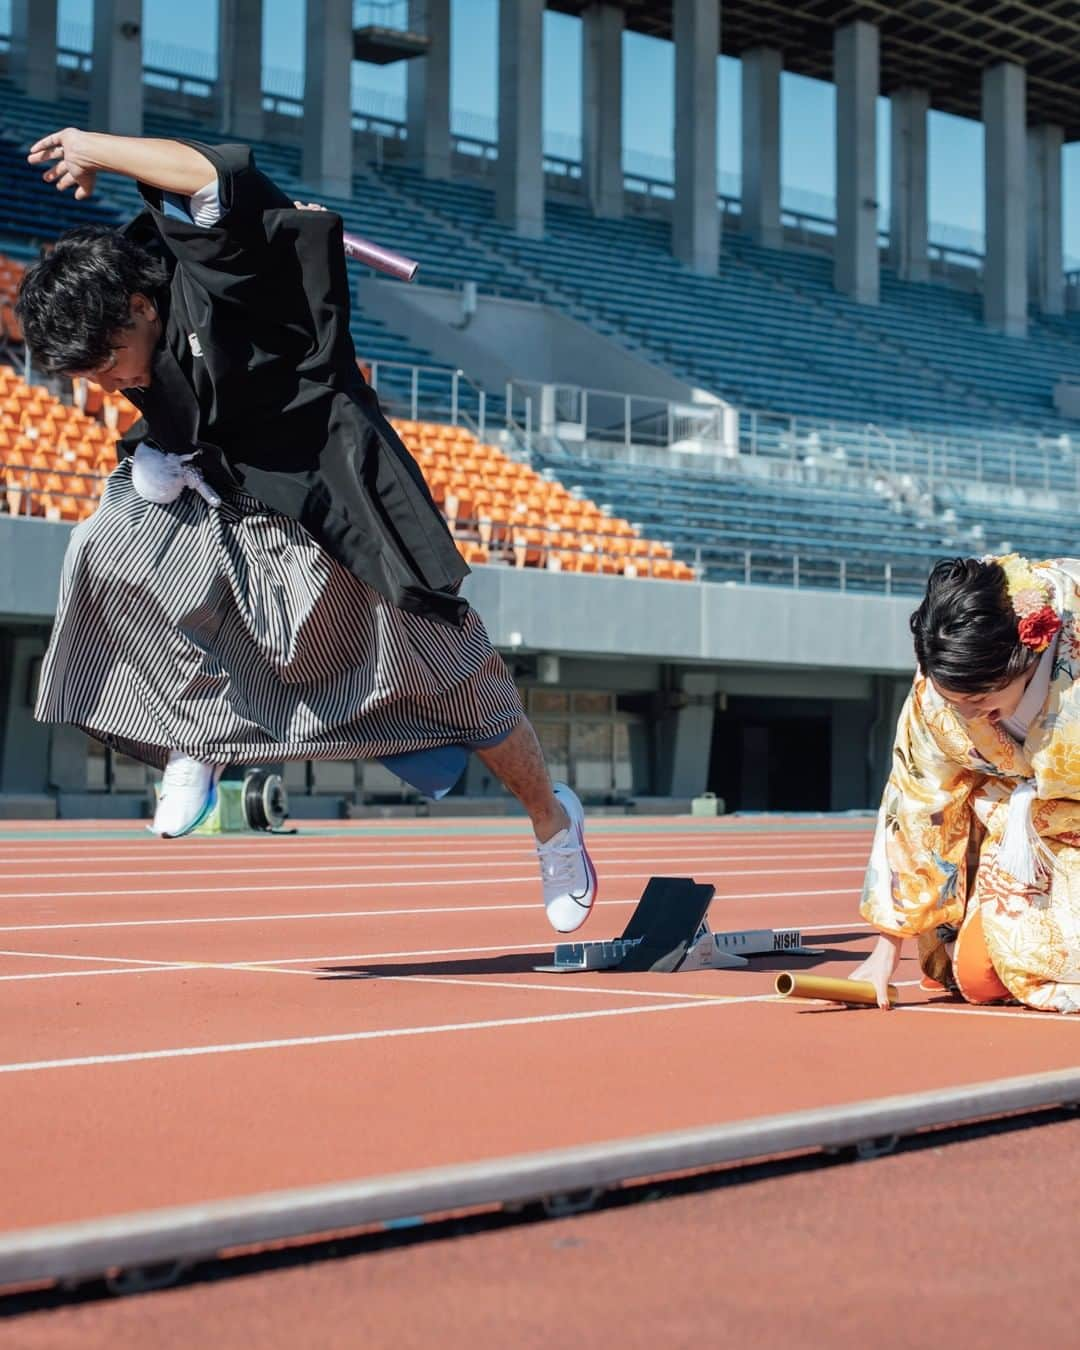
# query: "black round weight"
{"points": [[266, 803]]}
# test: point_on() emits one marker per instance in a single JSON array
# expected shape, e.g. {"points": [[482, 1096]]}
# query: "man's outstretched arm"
{"points": [[75, 158]]}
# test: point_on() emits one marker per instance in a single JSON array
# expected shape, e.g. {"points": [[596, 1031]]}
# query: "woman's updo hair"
{"points": [[965, 630]]}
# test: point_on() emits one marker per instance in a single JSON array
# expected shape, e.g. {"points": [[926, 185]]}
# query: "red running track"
{"points": [[205, 1019]]}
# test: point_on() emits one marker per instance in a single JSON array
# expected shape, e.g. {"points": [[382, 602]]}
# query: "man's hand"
{"points": [[880, 966], [73, 166]]}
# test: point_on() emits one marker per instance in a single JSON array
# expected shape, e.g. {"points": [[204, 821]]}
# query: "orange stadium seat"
{"points": [[494, 505]]}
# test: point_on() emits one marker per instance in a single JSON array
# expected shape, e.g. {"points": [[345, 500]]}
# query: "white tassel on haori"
{"points": [[158, 477], [1023, 854]]}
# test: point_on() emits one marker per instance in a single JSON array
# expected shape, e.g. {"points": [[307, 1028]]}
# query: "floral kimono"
{"points": [[961, 795]]}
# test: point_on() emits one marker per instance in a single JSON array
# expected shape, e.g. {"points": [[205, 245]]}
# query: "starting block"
{"points": [[668, 931]]}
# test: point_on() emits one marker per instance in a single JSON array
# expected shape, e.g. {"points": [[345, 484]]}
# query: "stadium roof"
{"points": [[940, 45]]}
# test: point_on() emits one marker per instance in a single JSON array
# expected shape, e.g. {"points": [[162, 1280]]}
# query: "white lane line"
{"points": [[109, 960], [538, 947], [413, 867], [381, 885], [485, 982], [966, 1010], [257, 967], [133, 965], [74, 956], [149, 969], [165, 856], [141, 963], [607, 852], [365, 956], [346, 1037], [643, 837], [841, 926], [133, 877], [320, 968], [370, 913]]}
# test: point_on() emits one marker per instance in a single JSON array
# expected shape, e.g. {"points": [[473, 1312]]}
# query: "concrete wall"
{"points": [[31, 555], [694, 623], [514, 339]]}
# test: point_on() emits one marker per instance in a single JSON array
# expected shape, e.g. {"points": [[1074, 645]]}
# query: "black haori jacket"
{"points": [[256, 370]]}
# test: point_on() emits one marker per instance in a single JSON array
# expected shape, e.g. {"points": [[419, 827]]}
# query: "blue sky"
{"points": [[808, 106]]}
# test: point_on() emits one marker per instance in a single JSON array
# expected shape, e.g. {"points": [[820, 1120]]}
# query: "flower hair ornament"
{"points": [[1031, 598]]}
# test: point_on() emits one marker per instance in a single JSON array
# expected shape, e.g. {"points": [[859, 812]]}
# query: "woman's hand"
{"points": [[73, 166], [880, 966]]}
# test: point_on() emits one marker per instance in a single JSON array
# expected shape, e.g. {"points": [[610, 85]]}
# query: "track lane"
{"points": [[445, 1049], [185, 1129]]}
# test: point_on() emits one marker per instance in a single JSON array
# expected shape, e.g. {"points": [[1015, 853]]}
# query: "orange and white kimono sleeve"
{"points": [[917, 874]]}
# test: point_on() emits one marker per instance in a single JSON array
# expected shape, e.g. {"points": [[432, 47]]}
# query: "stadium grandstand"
{"points": [[700, 450]]}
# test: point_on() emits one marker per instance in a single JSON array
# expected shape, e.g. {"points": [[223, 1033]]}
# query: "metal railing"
{"points": [[386, 14], [420, 391], [574, 421], [575, 414], [833, 450], [22, 494], [514, 544], [801, 570]]}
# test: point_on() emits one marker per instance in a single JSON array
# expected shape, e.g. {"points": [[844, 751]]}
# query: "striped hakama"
{"points": [[228, 634]]}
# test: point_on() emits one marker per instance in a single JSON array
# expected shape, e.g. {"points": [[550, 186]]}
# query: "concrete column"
{"points": [[519, 181], [240, 34], [1005, 270], [908, 252], [32, 62], [689, 734], [761, 145], [887, 698], [116, 92], [68, 760], [695, 228], [24, 762], [428, 90], [601, 108], [855, 62], [848, 727], [1046, 265], [328, 137]]}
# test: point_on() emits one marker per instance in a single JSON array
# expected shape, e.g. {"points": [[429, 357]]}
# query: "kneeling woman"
{"points": [[977, 849]]}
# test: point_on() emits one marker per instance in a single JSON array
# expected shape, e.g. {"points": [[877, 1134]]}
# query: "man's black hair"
{"points": [[77, 297], [965, 630]]}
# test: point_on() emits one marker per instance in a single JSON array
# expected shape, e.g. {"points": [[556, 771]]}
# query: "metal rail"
{"points": [[186, 1233]]}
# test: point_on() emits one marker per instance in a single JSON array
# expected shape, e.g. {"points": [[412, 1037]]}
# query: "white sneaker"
{"points": [[566, 870], [188, 795]]}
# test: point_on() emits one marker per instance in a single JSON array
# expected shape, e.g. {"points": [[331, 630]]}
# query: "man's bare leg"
{"points": [[518, 763], [567, 873]]}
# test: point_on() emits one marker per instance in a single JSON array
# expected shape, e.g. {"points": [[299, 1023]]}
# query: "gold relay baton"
{"points": [[789, 984]]}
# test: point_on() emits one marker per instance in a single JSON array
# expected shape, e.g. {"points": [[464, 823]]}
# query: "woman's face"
{"points": [[992, 705]]}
